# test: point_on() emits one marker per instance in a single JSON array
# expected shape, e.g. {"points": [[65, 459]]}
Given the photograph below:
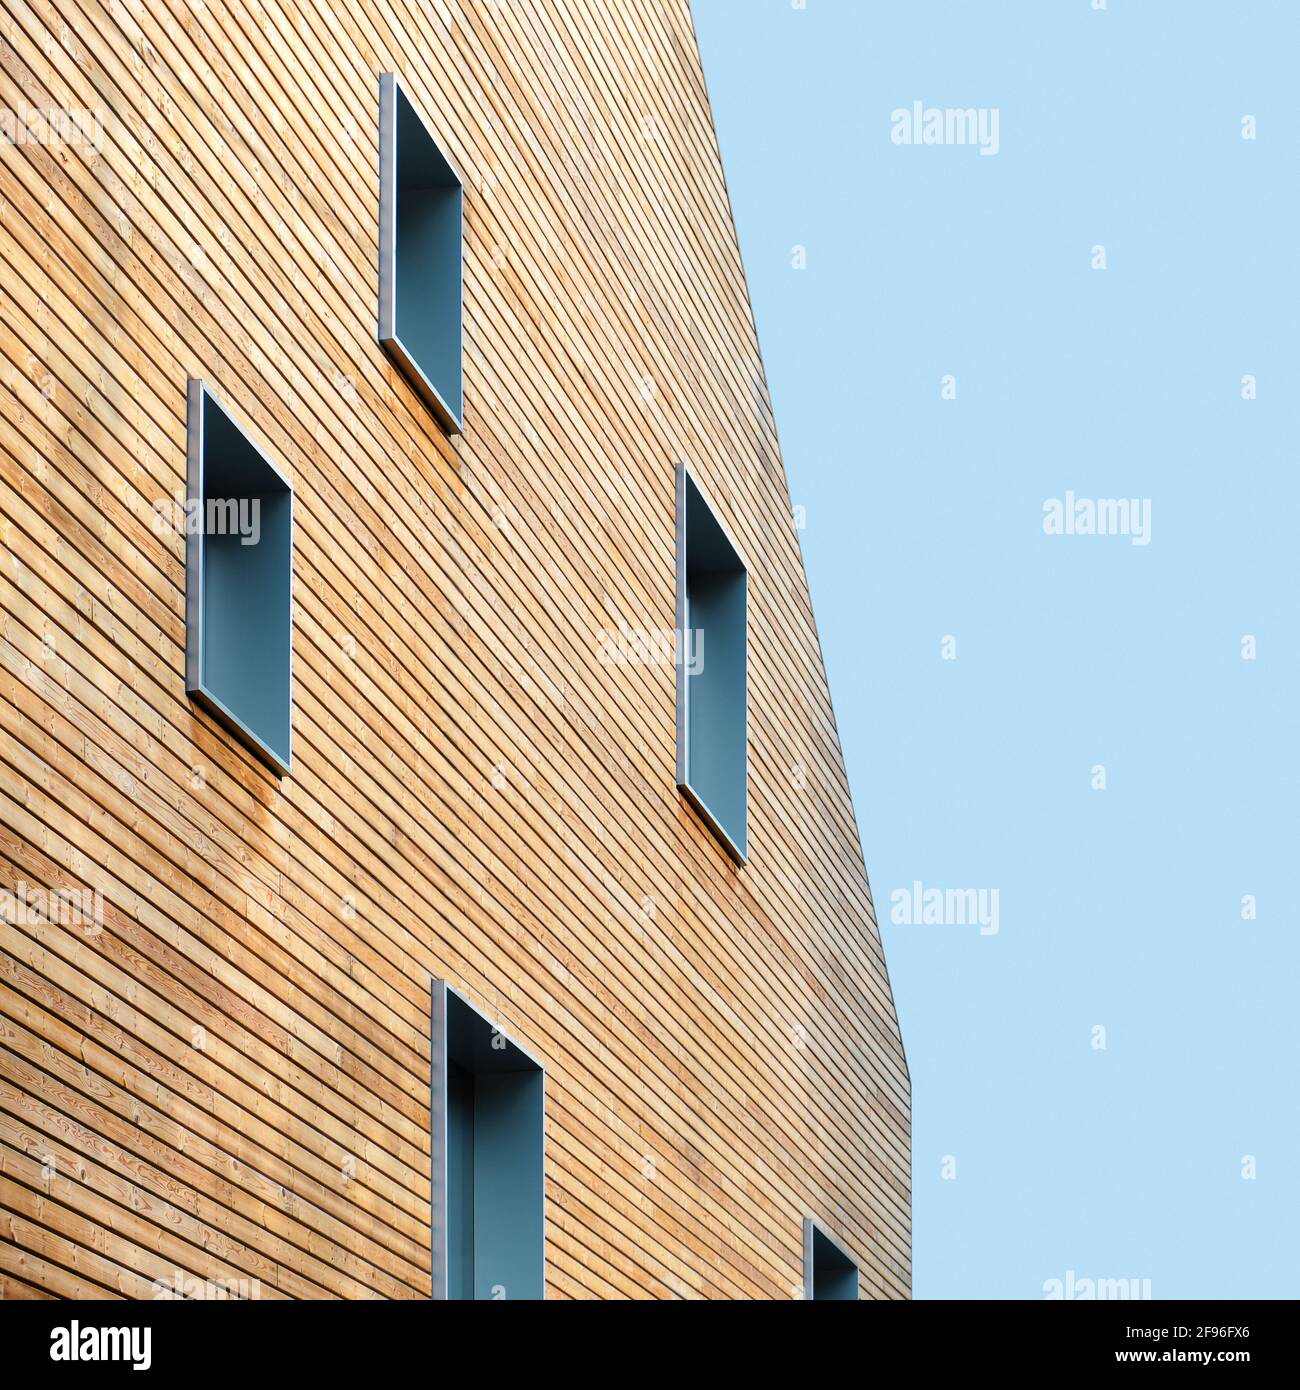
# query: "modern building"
{"points": [[429, 867]]}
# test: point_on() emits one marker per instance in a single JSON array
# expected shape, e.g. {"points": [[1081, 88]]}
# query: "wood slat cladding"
{"points": [[223, 1073]]}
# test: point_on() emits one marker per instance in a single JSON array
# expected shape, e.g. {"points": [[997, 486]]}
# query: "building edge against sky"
{"points": [[493, 928]]}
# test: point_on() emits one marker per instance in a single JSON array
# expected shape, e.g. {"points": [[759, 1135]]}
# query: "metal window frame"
{"points": [[684, 476], [812, 1228], [390, 87], [439, 992], [197, 394]]}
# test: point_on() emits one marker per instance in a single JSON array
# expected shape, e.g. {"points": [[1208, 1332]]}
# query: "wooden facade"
{"points": [[223, 1069]]}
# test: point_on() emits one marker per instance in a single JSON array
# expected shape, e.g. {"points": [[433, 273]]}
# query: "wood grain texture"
{"points": [[229, 1080]]}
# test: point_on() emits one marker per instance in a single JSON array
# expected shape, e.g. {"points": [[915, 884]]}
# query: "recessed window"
{"points": [[829, 1271], [487, 1115], [239, 580], [712, 618], [421, 208]]}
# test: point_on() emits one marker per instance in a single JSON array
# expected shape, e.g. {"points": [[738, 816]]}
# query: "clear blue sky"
{"points": [[1122, 908]]}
